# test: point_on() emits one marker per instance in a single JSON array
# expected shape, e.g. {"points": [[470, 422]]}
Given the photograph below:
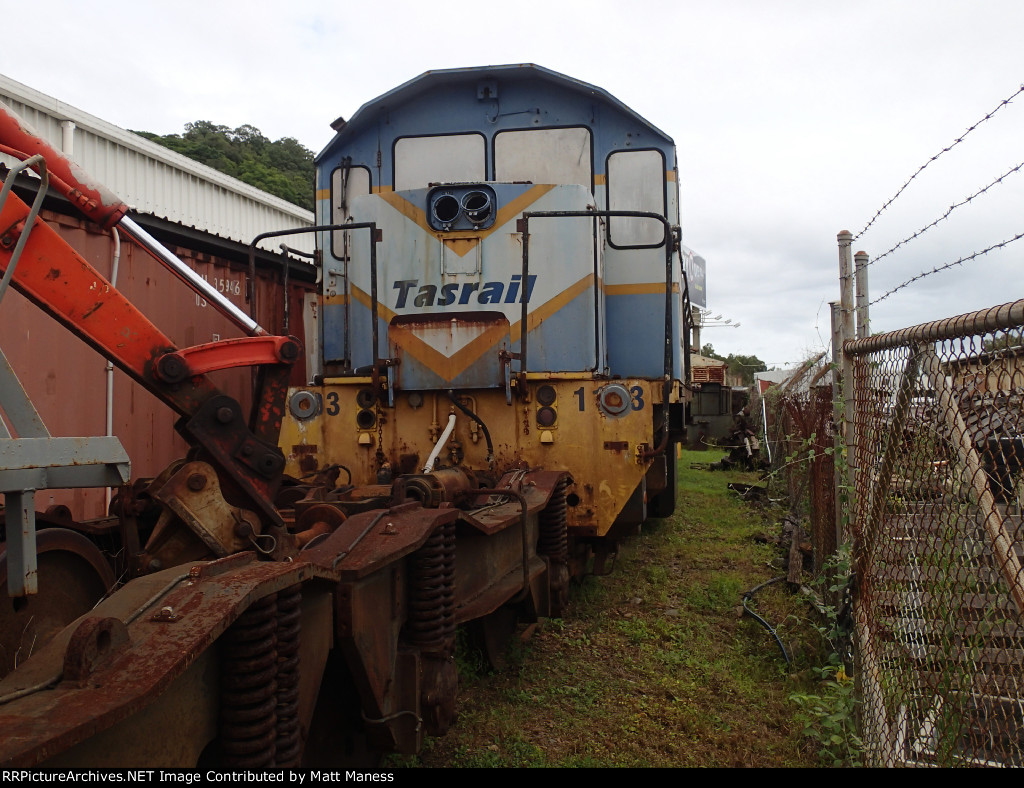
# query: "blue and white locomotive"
{"points": [[501, 350], [502, 290]]}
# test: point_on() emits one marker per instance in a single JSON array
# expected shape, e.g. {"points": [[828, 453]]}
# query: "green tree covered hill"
{"points": [[283, 168], [743, 366]]}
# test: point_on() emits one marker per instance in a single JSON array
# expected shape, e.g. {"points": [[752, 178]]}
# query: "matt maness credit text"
{"points": [[190, 777]]}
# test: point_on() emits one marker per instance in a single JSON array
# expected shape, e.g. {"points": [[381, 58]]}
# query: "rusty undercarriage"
{"points": [[260, 663]]}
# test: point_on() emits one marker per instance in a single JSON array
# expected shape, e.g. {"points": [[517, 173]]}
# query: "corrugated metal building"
{"points": [[208, 219], [153, 180]]}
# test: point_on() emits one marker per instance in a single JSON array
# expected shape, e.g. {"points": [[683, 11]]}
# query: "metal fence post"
{"points": [[863, 318], [846, 307], [873, 719], [837, 415]]}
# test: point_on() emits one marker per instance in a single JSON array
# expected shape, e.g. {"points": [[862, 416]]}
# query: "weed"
{"points": [[719, 594], [517, 696], [829, 714], [636, 631], [657, 575], [829, 717], [482, 759]]}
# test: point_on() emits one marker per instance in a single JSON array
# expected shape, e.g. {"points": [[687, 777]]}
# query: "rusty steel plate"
{"points": [[119, 673]]}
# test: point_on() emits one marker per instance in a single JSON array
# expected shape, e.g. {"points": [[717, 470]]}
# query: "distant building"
{"points": [[704, 369], [773, 377], [167, 192], [795, 379]]}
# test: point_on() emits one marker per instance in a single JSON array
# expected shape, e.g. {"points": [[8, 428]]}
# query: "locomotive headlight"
{"points": [[477, 206], [365, 398], [461, 207], [546, 413], [366, 419], [445, 209], [304, 405]]}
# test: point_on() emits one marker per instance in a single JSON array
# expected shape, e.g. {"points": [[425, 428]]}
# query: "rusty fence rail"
{"points": [[800, 434], [935, 442]]}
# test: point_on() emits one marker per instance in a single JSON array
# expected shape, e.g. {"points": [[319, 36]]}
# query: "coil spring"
{"points": [[449, 583], [248, 688], [431, 620], [554, 533], [289, 622]]}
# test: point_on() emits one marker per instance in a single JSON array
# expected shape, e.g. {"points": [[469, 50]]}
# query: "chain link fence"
{"points": [[935, 446]]}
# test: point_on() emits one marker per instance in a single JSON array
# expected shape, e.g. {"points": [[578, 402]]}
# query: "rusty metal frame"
{"points": [[995, 523]]}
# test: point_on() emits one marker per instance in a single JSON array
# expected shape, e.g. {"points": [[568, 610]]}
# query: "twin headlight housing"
{"points": [[461, 207]]}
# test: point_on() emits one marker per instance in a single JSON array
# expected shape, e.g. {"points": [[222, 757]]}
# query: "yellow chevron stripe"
{"points": [[642, 288], [450, 368], [364, 298], [542, 313], [325, 194], [600, 178]]}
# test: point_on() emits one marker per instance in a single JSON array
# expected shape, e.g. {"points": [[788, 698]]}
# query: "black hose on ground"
{"points": [[749, 595]]}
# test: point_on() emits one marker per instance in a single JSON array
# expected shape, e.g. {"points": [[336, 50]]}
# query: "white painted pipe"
{"points": [[67, 137], [440, 444]]}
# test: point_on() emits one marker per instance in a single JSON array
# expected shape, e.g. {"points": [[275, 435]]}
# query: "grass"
{"points": [[653, 665]]}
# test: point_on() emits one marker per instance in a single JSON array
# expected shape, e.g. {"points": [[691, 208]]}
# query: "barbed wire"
{"points": [[939, 268], [947, 213], [948, 148]]}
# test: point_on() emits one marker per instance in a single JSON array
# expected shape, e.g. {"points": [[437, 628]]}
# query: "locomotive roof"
{"points": [[521, 72]]}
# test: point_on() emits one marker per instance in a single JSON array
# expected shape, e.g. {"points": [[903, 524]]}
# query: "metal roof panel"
{"points": [[155, 180]]}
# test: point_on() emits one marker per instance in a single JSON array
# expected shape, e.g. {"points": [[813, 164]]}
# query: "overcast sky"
{"points": [[793, 120]]}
